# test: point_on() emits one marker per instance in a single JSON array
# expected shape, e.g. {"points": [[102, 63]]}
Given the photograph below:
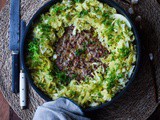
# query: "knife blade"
{"points": [[14, 42]]}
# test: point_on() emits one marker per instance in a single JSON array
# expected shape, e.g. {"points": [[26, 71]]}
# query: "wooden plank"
{"points": [[4, 108], [6, 112], [2, 3], [12, 115]]}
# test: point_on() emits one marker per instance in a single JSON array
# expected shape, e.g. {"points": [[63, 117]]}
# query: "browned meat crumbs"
{"points": [[76, 53]]}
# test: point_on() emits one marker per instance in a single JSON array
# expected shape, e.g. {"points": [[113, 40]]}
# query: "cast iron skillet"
{"points": [[44, 9]]}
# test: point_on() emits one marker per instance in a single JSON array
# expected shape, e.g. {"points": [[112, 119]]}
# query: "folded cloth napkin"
{"points": [[61, 109]]}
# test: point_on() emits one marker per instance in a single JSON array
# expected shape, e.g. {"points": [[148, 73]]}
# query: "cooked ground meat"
{"points": [[77, 53]]}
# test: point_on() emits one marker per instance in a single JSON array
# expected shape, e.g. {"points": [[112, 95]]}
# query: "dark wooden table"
{"points": [[6, 112]]}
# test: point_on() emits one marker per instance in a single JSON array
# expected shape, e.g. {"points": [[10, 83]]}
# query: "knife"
{"points": [[14, 42], [22, 79]]}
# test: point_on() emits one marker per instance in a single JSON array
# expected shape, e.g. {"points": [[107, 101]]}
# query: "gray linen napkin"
{"points": [[61, 109]]}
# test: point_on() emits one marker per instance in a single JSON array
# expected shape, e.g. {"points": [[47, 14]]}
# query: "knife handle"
{"points": [[22, 90], [15, 71]]}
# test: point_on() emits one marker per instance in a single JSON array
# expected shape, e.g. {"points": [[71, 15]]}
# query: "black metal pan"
{"points": [[44, 9]]}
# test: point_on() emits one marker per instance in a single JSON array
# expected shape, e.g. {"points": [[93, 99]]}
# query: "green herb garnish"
{"points": [[58, 9], [124, 52], [79, 52], [78, 1], [74, 76], [83, 13]]}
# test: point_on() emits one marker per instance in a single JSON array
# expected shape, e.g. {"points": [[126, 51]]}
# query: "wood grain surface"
{"points": [[6, 113], [2, 3], [4, 110]]}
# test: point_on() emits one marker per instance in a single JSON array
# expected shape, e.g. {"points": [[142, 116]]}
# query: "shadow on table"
{"points": [[155, 115]]}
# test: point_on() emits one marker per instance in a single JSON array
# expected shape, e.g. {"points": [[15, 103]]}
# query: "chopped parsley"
{"points": [[78, 1], [83, 13], [79, 52], [57, 9], [124, 52]]}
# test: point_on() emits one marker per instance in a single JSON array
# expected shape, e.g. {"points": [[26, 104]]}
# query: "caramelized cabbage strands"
{"points": [[113, 32]]}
